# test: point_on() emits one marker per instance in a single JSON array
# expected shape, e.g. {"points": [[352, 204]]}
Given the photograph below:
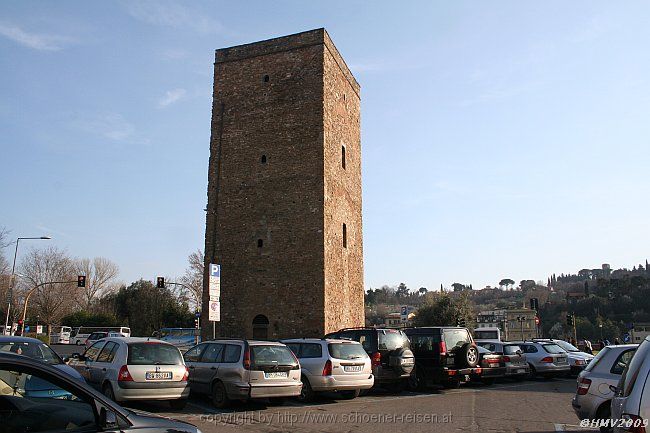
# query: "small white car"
{"points": [[332, 365], [130, 368]]}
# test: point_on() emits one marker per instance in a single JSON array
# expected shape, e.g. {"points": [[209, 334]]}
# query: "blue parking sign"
{"points": [[215, 270]]}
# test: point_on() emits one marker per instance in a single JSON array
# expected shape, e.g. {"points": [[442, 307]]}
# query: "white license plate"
{"points": [[276, 375], [158, 375], [352, 368], [521, 370]]}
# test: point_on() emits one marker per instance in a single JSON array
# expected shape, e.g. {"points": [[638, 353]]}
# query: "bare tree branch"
{"points": [[100, 279], [193, 278]]}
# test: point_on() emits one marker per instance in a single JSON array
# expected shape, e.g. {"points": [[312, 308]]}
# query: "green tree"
{"points": [[402, 291], [507, 282], [423, 291], [86, 318], [441, 310]]}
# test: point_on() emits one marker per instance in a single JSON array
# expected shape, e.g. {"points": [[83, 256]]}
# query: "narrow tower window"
{"points": [[260, 243], [343, 157], [266, 78], [345, 236], [263, 159]]}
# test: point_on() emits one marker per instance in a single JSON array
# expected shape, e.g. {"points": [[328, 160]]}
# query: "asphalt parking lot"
{"points": [[507, 406]]}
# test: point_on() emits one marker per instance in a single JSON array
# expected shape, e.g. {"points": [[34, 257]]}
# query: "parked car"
{"points": [[232, 369], [512, 357], [330, 365], [545, 359], [83, 409], [593, 396], [578, 359], [492, 367], [94, 337], [631, 402], [132, 368], [444, 355], [390, 354], [36, 349]]}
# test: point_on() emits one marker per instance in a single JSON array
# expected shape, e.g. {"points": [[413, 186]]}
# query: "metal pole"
{"points": [[22, 329], [11, 288]]}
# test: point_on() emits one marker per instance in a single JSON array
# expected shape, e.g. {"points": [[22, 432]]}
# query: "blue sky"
{"points": [[500, 139]]}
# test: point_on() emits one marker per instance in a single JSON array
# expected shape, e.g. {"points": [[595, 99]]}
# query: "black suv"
{"points": [[444, 355], [389, 351]]}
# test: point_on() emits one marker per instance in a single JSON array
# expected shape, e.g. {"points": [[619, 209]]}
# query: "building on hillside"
{"points": [[398, 320], [639, 332], [284, 190], [514, 323]]}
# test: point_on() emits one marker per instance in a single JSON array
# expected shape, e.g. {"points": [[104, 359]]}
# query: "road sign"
{"points": [[404, 313], [26, 328], [214, 287], [626, 338], [39, 329], [214, 314]]}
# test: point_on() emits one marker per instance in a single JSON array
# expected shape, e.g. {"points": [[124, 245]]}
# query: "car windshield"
{"points": [[600, 355], [392, 339], [38, 351], [511, 349], [271, 355], [553, 348], [347, 351], [150, 353], [567, 346]]}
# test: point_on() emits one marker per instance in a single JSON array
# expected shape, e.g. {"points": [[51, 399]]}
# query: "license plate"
{"points": [[521, 370], [276, 375], [158, 375], [562, 361], [352, 368]]}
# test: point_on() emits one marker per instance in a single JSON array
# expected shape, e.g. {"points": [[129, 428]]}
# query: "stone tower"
{"points": [[284, 190]]}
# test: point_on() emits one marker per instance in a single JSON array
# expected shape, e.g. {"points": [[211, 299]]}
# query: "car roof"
{"points": [[16, 339], [134, 340], [319, 340]]}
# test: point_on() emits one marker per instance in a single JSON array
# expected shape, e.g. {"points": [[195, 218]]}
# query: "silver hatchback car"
{"points": [[332, 365], [232, 369], [131, 368], [593, 396], [545, 359], [631, 401]]}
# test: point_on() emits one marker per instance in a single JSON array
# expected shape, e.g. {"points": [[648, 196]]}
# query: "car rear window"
{"points": [[486, 335], [553, 348], [600, 355], [392, 339], [347, 351], [271, 355], [423, 342], [147, 353], [37, 351], [511, 349], [456, 338]]}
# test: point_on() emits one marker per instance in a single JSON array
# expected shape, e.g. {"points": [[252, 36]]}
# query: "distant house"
{"points": [[639, 332], [514, 323], [395, 320]]}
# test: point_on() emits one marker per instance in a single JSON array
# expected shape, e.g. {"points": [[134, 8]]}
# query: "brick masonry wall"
{"points": [[280, 201]]}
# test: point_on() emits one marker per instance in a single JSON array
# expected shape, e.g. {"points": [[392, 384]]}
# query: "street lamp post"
{"points": [[22, 329], [13, 276]]}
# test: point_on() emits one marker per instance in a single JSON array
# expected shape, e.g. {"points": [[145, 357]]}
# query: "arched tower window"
{"points": [[261, 327]]}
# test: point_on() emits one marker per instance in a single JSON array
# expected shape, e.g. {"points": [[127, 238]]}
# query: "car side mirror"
{"points": [[519, 352], [107, 419], [613, 388], [66, 360]]}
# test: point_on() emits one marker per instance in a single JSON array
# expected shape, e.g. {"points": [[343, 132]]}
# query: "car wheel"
{"points": [[306, 393], [488, 381], [219, 396], [107, 390], [604, 412], [532, 374], [451, 384], [349, 395], [178, 404]]}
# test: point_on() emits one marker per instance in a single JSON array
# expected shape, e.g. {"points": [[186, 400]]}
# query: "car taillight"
{"points": [[583, 386], [124, 375], [327, 370], [186, 375], [493, 361], [442, 347], [547, 359], [506, 359], [376, 359], [636, 424], [247, 359]]}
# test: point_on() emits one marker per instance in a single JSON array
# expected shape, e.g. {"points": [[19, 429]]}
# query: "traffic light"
{"points": [[569, 320], [534, 304], [160, 282], [81, 281]]}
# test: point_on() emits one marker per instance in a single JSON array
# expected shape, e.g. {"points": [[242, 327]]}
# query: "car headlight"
{"points": [[580, 362]]}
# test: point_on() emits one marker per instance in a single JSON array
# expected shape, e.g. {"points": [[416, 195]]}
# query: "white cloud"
{"points": [[171, 96], [171, 14], [108, 125], [35, 41]]}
